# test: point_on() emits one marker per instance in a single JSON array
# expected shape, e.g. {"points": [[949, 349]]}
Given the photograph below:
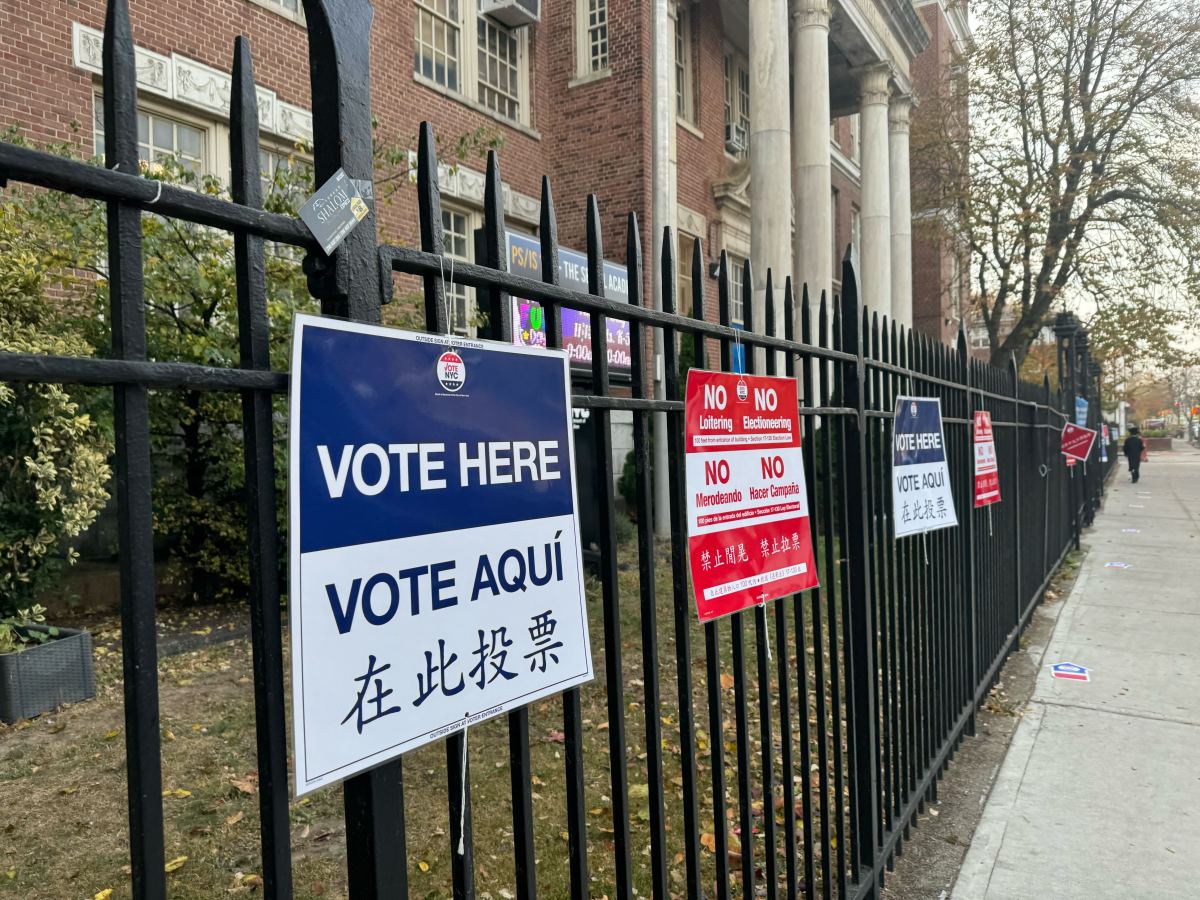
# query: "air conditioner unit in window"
{"points": [[735, 138], [512, 13]]}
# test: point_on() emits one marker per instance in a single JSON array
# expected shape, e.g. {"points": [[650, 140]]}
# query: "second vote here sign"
{"points": [[749, 538]]}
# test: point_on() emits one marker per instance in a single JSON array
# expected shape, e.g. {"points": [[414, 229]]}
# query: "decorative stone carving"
{"points": [[201, 85], [691, 221], [154, 70], [294, 122], [194, 84]]}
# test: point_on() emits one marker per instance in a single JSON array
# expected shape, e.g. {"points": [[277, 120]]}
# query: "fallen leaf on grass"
{"points": [[556, 737], [423, 866], [726, 680], [178, 792], [112, 734], [103, 895], [176, 864], [235, 818], [639, 791], [67, 791], [709, 842], [245, 786]]}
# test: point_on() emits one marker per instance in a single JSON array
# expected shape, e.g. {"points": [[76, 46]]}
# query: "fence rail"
{"points": [[857, 693]]}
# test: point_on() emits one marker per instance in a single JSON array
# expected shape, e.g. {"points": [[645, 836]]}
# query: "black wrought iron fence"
{"points": [[847, 701]]}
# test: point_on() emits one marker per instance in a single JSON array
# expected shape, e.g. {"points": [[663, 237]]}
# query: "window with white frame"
{"points": [[591, 17], [683, 270], [456, 236], [499, 72], [291, 7], [685, 106], [438, 36], [737, 96], [161, 137], [481, 60], [737, 284], [276, 168], [835, 218]]}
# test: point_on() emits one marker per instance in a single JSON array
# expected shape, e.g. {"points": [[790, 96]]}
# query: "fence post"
{"points": [[968, 519], [1047, 451], [861, 626], [349, 284], [133, 475], [1015, 375]]}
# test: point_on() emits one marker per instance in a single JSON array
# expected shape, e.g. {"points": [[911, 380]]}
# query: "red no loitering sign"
{"points": [[1077, 441], [987, 471], [749, 538]]}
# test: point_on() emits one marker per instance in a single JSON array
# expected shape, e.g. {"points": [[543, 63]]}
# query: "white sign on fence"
{"points": [[436, 577]]}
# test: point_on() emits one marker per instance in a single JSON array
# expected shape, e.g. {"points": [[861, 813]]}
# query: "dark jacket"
{"points": [[1134, 445]]}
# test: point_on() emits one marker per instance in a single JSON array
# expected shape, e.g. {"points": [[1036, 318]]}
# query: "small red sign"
{"points": [[987, 471], [749, 538], [1077, 441]]}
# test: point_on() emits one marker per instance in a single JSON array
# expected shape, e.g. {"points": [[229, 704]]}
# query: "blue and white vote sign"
{"points": [[921, 497], [436, 577]]}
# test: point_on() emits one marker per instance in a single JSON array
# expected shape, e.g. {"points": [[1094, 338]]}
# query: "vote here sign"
{"points": [[436, 577], [987, 470], [921, 496], [749, 538]]}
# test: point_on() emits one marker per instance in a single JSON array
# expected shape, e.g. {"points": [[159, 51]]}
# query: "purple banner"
{"points": [[528, 322]]}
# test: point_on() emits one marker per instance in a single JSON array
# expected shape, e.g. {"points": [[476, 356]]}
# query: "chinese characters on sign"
{"points": [[749, 538], [436, 577], [987, 472], [921, 496]]}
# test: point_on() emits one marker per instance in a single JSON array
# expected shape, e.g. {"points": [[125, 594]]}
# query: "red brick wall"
{"points": [[933, 307]]}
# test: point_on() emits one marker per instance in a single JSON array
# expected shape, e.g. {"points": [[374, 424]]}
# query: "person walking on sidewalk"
{"points": [[1135, 450]]}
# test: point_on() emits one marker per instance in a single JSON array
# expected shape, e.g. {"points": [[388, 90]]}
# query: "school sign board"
{"points": [[921, 496], [528, 319], [436, 577], [987, 471], [749, 538]]}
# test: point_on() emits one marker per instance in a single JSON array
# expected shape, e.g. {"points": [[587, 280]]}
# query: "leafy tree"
{"points": [[53, 468], [1075, 182], [191, 316]]}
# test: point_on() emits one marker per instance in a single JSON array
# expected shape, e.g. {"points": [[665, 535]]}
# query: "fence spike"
{"points": [[548, 239], [429, 214]]}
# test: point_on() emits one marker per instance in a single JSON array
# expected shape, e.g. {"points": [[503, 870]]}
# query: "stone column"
{"points": [[876, 275], [901, 209], [770, 155], [813, 246]]}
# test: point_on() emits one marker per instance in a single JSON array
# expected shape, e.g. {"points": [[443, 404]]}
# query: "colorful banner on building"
{"points": [[1077, 441], [921, 495], [528, 322], [987, 471], [436, 576], [749, 538]]}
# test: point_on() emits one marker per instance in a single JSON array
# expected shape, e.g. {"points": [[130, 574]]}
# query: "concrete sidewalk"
{"points": [[1099, 794]]}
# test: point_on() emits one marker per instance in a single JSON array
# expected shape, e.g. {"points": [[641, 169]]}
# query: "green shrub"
{"points": [[53, 458]]}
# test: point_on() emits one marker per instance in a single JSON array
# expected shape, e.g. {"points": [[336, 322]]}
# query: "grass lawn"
{"points": [[62, 777]]}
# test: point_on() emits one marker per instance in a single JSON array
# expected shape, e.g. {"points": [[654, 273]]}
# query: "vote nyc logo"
{"points": [[451, 371]]}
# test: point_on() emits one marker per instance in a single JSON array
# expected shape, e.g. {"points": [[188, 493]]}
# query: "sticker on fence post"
{"points": [[436, 577], [921, 496], [1081, 411], [1104, 442], [987, 471], [334, 210], [749, 538], [1077, 441]]}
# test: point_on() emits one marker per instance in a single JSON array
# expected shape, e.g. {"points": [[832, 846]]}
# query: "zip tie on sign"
{"points": [[990, 532], [157, 194], [925, 545], [462, 797]]}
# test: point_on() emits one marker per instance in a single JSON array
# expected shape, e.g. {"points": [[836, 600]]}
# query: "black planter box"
{"points": [[39, 678]]}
